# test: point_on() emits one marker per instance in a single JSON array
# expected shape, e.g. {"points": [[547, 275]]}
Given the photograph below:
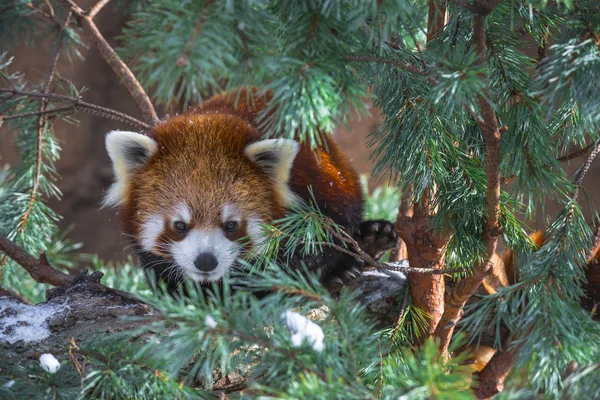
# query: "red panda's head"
{"points": [[195, 186]]}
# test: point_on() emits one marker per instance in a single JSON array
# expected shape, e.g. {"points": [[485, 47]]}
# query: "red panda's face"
{"points": [[197, 193]]}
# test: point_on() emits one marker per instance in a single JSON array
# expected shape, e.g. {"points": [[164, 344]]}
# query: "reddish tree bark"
{"points": [[457, 298], [425, 250], [492, 376]]}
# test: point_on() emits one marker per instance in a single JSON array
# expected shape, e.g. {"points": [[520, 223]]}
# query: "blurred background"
{"points": [[85, 168]]}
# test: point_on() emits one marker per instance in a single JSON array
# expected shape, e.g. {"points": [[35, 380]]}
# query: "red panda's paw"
{"points": [[376, 237], [344, 278]]}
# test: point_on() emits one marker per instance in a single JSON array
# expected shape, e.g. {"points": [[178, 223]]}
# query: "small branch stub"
{"points": [[39, 269]]}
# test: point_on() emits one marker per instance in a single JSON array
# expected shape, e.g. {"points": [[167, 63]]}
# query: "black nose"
{"points": [[206, 262]]}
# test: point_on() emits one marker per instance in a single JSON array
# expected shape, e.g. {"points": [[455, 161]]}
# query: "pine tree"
{"points": [[467, 110]]}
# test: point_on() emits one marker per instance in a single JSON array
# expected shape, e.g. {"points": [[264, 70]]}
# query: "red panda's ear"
{"points": [[275, 157], [128, 152]]}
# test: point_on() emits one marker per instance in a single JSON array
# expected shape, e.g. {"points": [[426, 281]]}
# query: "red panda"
{"points": [[197, 183]]}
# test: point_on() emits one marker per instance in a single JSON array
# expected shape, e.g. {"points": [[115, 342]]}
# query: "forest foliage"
{"points": [[531, 82]]}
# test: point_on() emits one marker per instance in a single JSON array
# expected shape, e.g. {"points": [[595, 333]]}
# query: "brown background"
{"points": [[84, 165]]}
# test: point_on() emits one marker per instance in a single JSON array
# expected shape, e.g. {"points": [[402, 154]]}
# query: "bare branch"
{"points": [[57, 110], [96, 9], [45, 15], [118, 66], [576, 154], [79, 105], [586, 166], [390, 266], [39, 269]]}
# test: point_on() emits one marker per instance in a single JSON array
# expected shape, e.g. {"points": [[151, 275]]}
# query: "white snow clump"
{"points": [[304, 329], [210, 322], [49, 363], [25, 322]]}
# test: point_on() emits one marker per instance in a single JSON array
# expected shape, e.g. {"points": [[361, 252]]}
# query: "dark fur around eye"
{"points": [[180, 226], [231, 226]]}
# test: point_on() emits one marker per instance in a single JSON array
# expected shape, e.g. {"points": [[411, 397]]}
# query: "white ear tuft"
{"points": [[276, 157], [128, 151]]}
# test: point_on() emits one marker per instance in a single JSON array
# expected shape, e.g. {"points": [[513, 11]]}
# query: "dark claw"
{"points": [[350, 275], [334, 285], [376, 237]]}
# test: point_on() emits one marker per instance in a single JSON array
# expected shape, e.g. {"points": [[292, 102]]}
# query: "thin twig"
{"points": [[81, 106], [565, 158], [50, 8], [96, 9], [586, 167], [400, 64], [39, 269], [57, 110], [389, 266], [43, 14], [42, 123], [576, 154], [121, 69]]}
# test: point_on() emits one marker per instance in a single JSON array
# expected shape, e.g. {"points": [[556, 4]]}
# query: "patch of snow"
{"points": [[49, 363], [386, 283], [304, 329], [9, 384], [25, 322], [210, 322]]}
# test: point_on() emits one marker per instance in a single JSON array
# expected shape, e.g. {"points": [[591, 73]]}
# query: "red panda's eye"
{"points": [[231, 226], [180, 226]]}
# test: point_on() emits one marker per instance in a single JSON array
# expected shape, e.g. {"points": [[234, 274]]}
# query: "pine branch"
{"points": [[436, 18], [41, 125], [134, 87], [479, 7], [565, 158], [77, 105], [461, 293], [400, 64], [492, 377], [38, 268], [183, 59]]}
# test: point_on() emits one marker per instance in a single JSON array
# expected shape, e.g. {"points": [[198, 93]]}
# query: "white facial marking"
{"points": [[255, 230], [231, 213], [151, 229], [200, 241], [182, 213]]}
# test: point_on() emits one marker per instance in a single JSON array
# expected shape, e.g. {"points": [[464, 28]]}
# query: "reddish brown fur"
{"points": [[200, 161]]}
